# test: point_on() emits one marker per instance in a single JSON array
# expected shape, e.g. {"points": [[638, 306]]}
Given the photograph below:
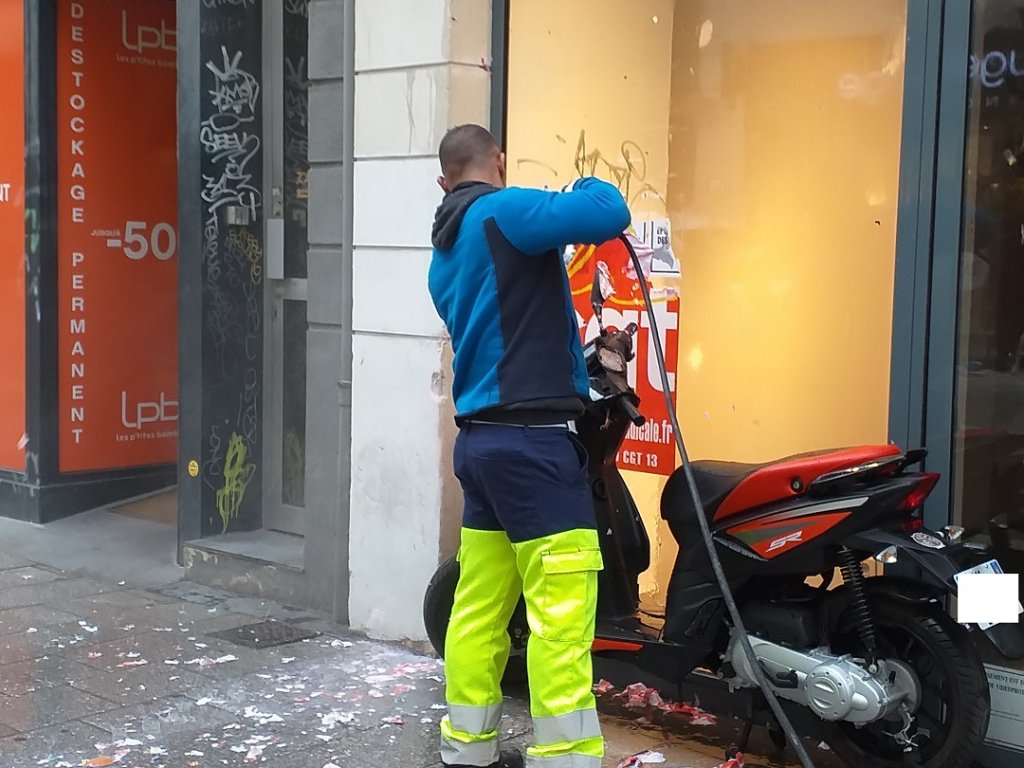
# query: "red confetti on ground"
{"points": [[735, 762], [642, 759], [638, 696]]}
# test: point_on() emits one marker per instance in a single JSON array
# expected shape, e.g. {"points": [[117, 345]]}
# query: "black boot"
{"points": [[510, 758]]}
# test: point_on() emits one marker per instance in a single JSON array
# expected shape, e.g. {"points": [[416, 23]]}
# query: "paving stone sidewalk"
{"points": [[102, 674]]}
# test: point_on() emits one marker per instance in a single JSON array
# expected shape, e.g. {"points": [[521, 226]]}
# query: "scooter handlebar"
{"points": [[634, 415]]}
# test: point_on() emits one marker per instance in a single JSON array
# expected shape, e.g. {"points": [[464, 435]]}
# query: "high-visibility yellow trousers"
{"points": [[557, 576]]}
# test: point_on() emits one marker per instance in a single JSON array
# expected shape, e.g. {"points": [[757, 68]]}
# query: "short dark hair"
{"points": [[464, 147]]}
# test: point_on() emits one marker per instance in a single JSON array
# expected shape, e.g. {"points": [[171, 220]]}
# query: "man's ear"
{"points": [[501, 166], [442, 184]]}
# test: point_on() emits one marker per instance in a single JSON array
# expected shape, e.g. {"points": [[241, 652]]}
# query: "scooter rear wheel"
{"points": [[437, 610], [952, 719]]}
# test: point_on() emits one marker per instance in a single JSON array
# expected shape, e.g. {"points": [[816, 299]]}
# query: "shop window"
{"points": [[12, 238], [767, 137], [988, 498], [117, 234]]}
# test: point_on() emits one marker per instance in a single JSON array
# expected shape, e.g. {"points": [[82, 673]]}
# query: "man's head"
{"points": [[470, 153]]}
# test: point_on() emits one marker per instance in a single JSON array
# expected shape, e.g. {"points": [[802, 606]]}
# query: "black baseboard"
{"points": [[18, 500], [74, 494]]}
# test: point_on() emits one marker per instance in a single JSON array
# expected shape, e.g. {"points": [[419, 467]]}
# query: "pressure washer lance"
{"points": [[709, 543]]}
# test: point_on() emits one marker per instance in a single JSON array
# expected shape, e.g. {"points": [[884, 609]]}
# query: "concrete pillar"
{"points": [[421, 66], [329, 339]]}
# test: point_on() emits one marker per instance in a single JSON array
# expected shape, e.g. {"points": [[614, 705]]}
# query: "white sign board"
{"points": [[1006, 728]]}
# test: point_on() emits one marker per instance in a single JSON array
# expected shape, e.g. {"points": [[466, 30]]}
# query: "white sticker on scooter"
{"points": [[987, 595], [927, 540], [791, 538]]}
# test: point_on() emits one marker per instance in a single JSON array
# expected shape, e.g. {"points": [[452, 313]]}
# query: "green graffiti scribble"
{"points": [[237, 474]]}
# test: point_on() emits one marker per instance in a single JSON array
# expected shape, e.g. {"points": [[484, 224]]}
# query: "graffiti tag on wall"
{"points": [[231, 128]]}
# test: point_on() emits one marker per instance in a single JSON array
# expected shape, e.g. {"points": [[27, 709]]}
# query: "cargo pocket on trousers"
{"points": [[569, 595]]}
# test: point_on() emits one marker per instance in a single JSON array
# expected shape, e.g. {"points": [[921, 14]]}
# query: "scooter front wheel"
{"points": [[437, 610]]}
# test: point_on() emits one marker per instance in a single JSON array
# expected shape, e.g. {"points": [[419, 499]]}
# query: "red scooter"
{"points": [[875, 667]]}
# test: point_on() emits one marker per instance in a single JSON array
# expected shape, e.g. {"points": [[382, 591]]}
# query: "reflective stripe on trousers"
{"points": [[571, 760], [557, 575], [575, 726], [469, 735], [567, 741]]}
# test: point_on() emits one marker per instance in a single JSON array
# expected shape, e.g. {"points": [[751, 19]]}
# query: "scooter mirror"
{"points": [[596, 294], [612, 360]]}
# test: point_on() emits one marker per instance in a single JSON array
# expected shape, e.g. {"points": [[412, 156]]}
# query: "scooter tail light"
{"points": [[919, 492], [913, 524]]}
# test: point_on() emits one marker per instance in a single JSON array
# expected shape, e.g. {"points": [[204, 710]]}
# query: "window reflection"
{"points": [[989, 439]]}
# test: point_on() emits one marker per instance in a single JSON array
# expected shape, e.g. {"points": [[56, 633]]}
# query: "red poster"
{"points": [[117, 233], [12, 237], [650, 448]]}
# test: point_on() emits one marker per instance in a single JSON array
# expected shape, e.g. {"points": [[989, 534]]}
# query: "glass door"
{"points": [[988, 447], [286, 41], [988, 416], [974, 393]]}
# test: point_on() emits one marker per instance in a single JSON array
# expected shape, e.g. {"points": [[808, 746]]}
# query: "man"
{"points": [[498, 282]]}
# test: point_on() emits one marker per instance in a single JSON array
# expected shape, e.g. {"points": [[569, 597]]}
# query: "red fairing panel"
{"points": [[775, 482], [774, 536]]}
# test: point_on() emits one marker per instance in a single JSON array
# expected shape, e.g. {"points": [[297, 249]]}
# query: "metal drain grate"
{"points": [[265, 634]]}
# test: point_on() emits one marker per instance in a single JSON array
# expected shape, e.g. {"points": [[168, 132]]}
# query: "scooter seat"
{"points": [[719, 482], [715, 481]]}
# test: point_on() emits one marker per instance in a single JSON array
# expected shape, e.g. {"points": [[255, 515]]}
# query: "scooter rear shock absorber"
{"points": [[853, 575]]}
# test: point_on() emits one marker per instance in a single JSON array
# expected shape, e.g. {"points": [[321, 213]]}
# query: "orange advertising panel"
{"points": [[12, 237], [117, 233], [650, 448]]}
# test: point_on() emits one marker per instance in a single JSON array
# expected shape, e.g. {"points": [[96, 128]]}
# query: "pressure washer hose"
{"points": [[716, 565]]}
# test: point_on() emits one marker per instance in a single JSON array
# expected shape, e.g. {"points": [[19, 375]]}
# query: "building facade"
{"points": [[214, 237]]}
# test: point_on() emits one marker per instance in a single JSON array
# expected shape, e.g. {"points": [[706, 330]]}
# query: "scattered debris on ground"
{"points": [[96, 676], [657, 758], [639, 698]]}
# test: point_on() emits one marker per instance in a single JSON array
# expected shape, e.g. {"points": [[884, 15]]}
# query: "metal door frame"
{"points": [[922, 384], [946, 248], [915, 220], [276, 514]]}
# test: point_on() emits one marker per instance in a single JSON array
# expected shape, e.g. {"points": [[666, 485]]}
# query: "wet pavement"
{"points": [[98, 674]]}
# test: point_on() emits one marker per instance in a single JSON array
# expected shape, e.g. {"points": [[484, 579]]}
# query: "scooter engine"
{"points": [[833, 687]]}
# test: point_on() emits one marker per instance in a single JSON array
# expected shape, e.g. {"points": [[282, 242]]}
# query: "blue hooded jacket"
{"points": [[498, 282]]}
